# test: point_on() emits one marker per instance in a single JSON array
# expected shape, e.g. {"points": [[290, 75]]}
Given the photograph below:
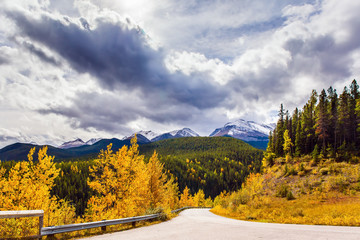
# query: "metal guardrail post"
{"points": [[41, 225]]}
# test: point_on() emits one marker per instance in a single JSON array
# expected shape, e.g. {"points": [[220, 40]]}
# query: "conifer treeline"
{"points": [[327, 125]]}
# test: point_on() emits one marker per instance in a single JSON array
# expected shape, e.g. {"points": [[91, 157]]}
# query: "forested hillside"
{"points": [[116, 184], [311, 169], [213, 164]]}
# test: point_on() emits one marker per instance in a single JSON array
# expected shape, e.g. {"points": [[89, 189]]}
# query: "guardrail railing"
{"points": [[25, 213], [51, 231]]}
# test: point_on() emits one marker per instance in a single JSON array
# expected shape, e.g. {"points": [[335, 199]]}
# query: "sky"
{"points": [[102, 68]]}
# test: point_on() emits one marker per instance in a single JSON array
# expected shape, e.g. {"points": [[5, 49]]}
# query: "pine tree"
{"points": [[280, 133], [299, 139], [333, 129], [344, 118], [354, 95], [308, 123], [322, 120]]}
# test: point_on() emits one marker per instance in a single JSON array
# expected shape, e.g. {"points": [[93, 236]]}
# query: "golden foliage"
{"points": [[186, 198], [120, 181], [27, 187], [298, 192], [126, 186]]}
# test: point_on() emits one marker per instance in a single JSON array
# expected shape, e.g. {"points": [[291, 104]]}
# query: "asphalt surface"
{"points": [[201, 224]]}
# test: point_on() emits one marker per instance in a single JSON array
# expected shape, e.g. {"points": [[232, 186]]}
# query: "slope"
{"points": [[213, 164], [301, 190]]}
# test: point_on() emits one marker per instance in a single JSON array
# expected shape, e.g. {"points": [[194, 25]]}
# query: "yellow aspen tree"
{"points": [[120, 181], [287, 145], [199, 199], [186, 198], [156, 181], [27, 187], [171, 194]]}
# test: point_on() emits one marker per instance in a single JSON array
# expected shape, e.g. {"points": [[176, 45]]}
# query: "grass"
{"points": [[340, 211], [299, 192]]}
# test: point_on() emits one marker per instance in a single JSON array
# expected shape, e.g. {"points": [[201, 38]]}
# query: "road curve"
{"points": [[201, 224]]}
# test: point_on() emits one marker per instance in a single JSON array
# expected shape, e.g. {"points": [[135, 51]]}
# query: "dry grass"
{"points": [[344, 211], [298, 192]]}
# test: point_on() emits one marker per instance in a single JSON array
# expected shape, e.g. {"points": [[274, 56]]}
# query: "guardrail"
{"points": [[82, 226], [25, 213], [51, 231]]}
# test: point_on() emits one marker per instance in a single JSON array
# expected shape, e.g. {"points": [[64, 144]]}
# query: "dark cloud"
{"points": [[41, 54], [110, 112], [85, 23], [3, 60], [5, 138], [323, 55], [120, 59]]}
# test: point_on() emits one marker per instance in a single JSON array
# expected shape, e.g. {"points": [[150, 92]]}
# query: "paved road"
{"points": [[200, 224]]}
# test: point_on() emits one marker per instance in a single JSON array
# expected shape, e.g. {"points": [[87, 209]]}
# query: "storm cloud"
{"points": [[99, 68], [120, 58]]}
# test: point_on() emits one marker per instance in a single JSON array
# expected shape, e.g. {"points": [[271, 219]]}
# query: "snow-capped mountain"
{"points": [[92, 141], [76, 143], [185, 132], [245, 130], [149, 135]]}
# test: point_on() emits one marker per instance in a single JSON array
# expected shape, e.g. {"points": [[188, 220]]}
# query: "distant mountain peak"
{"points": [[75, 143], [245, 130], [143, 136], [92, 141], [185, 132], [242, 124]]}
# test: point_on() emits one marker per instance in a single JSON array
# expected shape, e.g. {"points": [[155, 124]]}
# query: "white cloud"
{"points": [[190, 63], [222, 60]]}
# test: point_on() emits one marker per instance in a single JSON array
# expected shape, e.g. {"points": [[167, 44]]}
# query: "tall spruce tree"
{"points": [[333, 118], [344, 118], [322, 121], [354, 95], [279, 151]]}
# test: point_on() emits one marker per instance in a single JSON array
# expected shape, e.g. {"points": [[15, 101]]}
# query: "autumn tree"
{"points": [[287, 145], [156, 180], [199, 199], [27, 186], [186, 198], [120, 181], [171, 194]]}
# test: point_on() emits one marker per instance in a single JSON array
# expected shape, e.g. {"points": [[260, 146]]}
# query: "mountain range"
{"points": [[251, 132]]}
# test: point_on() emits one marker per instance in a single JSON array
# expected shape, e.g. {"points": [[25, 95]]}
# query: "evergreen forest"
{"points": [[327, 126]]}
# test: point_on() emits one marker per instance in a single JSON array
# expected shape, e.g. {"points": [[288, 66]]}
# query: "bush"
{"points": [[285, 192], [158, 210]]}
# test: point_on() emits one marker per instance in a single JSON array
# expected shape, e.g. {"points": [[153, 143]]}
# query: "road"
{"points": [[201, 224]]}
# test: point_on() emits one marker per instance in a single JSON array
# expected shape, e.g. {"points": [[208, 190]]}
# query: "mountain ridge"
{"points": [[248, 131]]}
